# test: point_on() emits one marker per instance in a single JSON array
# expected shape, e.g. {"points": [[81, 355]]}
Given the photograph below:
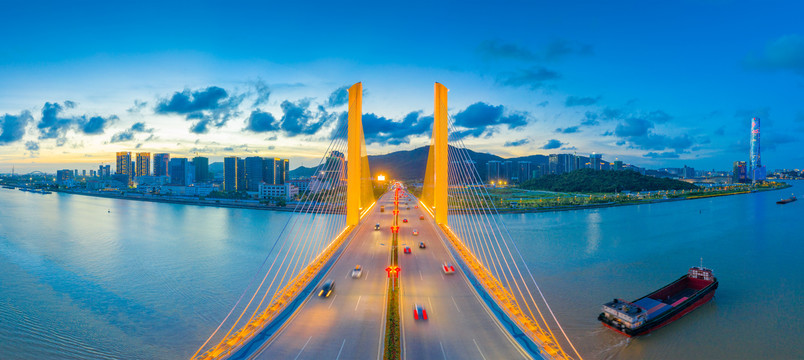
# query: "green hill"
{"points": [[591, 181]]}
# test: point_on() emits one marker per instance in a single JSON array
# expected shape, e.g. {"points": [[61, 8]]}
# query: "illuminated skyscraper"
{"points": [[143, 164], [755, 168], [124, 164]]}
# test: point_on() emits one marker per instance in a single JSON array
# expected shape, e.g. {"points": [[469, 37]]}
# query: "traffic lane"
{"points": [[348, 322], [457, 319]]}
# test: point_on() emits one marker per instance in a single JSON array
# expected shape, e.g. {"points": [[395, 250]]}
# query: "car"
{"points": [[382, 208], [415, 232], [406, 250], [404, 220], [448, 268], [408, 207], [415, 206], [419, 313], [357, 271], [377, 227], [421, 217], [327, 288], [421, 245]]}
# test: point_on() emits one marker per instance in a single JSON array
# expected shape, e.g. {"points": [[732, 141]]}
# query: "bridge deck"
{"points": [[349, 324]]}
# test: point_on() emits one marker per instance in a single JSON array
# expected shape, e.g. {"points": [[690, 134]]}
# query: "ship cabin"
{"points": [[625, 313]]}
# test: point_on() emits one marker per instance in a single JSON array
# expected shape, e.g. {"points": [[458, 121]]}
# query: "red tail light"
{"points": [[415, 314], [424, 314]]}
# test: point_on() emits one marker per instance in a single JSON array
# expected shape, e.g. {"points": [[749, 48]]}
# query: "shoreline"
{"points": [[639, 202], [226, 203]]}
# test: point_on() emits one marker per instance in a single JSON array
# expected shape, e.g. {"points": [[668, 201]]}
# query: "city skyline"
{"points": [[521, 84]]}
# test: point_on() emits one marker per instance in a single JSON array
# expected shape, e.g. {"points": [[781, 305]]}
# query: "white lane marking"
{"points": [[358, 302], [333, 300], [478, 349], [346, 276], [431, 304], [339, 351], [442, 350], [456, 304], [420, 275], [442, 276], [302, 349], [366, 276]]}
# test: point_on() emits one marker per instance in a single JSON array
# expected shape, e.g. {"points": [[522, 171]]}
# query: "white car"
{"points": [[448, 268], [357, 271]]}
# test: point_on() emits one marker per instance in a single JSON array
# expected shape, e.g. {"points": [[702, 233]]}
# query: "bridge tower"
{"points": [[440, 151], [354, 139]]}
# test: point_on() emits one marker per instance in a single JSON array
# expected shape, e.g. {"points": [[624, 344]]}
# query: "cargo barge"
{"points": [[788, 200], [661, 307]]}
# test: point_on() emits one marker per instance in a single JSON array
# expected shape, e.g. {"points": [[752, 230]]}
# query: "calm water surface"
{"points": [[89, 278]]}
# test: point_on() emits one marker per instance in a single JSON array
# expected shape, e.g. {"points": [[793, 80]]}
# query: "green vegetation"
{"points": [[591, 181]]}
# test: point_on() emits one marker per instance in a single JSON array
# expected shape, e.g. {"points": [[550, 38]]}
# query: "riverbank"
{"points": [[224, 203], [628, 203]]}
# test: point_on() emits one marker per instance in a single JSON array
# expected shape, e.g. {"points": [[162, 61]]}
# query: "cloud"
{"points": [[720, 131], [128, 134], [542, 104], [263, 93], [658, 116], [297, 119], [260, 121], [484, 119], [590, 119], [382, 130], [32, 146], [211, 106], [569, 130], [638, 133], [581, 101], [555, 50], [552, 144], [569, 148], [536, 77], [519, 142], [12, 127], [784, 53], [663, 155], [338, 97], [95, 125], [138, 106], [53, 126]]}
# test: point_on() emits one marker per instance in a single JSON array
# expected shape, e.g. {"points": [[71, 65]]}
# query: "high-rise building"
{"points": [[201, 168], [507, 169], [124, 164], [254, 173], [241, 175], [493, 170], [64, 176], [104, 171], [334, 167], [618, 165], [755, 169], [161, 162], [525, 171], [687, 172], [181, 171], [595, 160], [230, 173], [143, 164], [281, 170], [739, 172]]}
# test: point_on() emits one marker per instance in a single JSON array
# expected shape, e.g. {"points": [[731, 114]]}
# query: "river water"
{"points": [[93, 278]]}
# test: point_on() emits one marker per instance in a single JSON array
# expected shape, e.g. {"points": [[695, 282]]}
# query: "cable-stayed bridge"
{"points": [[490, 307]]}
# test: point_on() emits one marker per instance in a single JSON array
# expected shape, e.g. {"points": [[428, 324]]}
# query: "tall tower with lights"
{"points": [[755, 170]]}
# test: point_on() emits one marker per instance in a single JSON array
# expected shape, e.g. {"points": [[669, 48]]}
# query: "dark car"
{"points": [[404, 220], [422, 246], [327, 288], [377, 227], [421, 217]]}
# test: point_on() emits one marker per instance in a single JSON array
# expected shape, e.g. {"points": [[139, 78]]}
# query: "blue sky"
{"points": [[652, 83]]}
